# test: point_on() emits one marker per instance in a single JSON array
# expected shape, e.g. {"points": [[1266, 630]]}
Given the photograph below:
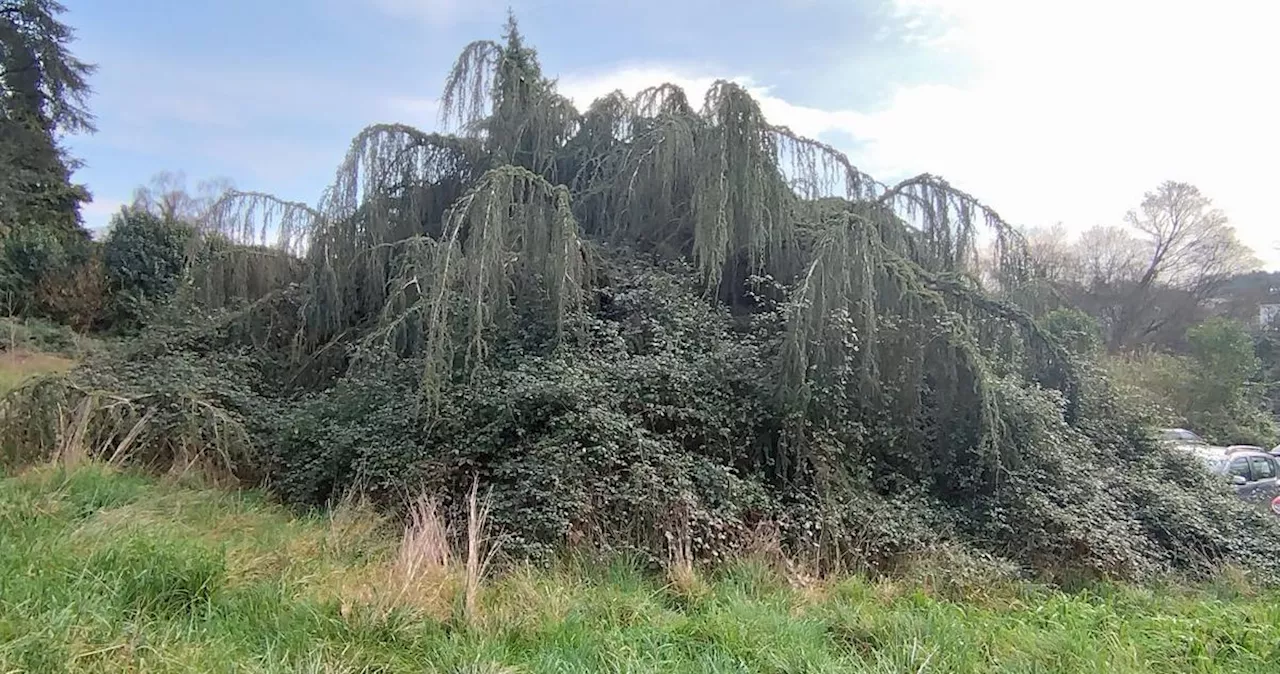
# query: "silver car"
{"points": [[1254, 473], [1182, 437]]}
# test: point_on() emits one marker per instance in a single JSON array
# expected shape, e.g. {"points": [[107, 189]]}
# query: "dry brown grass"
{"points": [[480, 550], [353, 525], [763, 546], [19, 366], [425, 575], [682, 575]]}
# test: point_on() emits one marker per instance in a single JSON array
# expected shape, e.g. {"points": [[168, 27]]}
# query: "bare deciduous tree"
{"points": [[167, 196], [1191, 248], [1152, 277], [1053, 253]]}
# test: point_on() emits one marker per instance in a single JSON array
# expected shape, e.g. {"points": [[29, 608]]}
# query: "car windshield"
{"points": [[1183, 436]]}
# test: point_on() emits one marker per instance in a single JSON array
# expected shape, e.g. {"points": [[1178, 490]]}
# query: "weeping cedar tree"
{"points": [[650, 317]]}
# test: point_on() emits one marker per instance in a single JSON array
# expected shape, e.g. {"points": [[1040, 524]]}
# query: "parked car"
{"points": [[1181, 436], [1254, 472]]}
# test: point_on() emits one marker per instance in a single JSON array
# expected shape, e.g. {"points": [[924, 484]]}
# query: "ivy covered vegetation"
{"points": [[659, 323]]}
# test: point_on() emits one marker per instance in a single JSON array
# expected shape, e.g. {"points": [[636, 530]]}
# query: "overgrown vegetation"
{"points": [[108, 571], [651, 327], [1217, 389]]}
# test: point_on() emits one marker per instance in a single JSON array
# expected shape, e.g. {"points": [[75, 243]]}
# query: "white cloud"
{"points": [[1075, 110], [1078, 108], [97, 213]]}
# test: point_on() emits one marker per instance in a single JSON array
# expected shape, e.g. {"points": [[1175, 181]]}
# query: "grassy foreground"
{"points": [[103, 571]]}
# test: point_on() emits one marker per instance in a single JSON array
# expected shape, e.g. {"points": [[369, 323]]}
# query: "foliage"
{"points": [[1228, 395], [98, 562], [79, 295], [144, 256], [1076, 330], [42, 94], [1267, 346], [650, 324], [44, 270], [165, 401], [36, 334], [1215, 390]]}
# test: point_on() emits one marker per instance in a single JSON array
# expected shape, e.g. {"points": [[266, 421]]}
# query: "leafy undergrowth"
{"points": [[107, 571]]}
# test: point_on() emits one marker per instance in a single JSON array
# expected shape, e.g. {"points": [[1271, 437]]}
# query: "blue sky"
{"points": [[1051, 111]]}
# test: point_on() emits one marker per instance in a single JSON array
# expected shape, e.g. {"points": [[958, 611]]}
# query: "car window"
{"points": [[1263, 468], [1239, 466], [1180, 435], [1188, 436]]}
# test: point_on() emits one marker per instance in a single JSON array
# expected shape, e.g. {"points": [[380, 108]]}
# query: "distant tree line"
{"points": [[1176, 298]]}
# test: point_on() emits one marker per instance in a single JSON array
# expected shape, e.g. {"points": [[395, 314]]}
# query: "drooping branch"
{"points": [[663, 100], [390, 160], [950, 221], [815, 170], [867, 318], [510, 249], [468, 88], [1055, 365], [252, 218]]}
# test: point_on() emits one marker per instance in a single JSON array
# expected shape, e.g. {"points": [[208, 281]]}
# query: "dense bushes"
{"points": [[144, 255], [660, 416], [115, 286], [51, 273], [40, 335], [1217, 389]]}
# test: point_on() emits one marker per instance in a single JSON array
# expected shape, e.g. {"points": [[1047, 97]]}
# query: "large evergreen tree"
{"points": [[43, 90]]}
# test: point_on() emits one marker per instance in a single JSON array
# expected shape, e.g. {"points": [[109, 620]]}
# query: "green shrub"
{"points": [[50, 272], [1076, 329], [144, 255], [37, 334], [160, 401], [1215, 390]]}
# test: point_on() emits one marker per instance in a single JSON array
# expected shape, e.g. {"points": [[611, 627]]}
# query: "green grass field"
{"points": [[103, 571]]}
